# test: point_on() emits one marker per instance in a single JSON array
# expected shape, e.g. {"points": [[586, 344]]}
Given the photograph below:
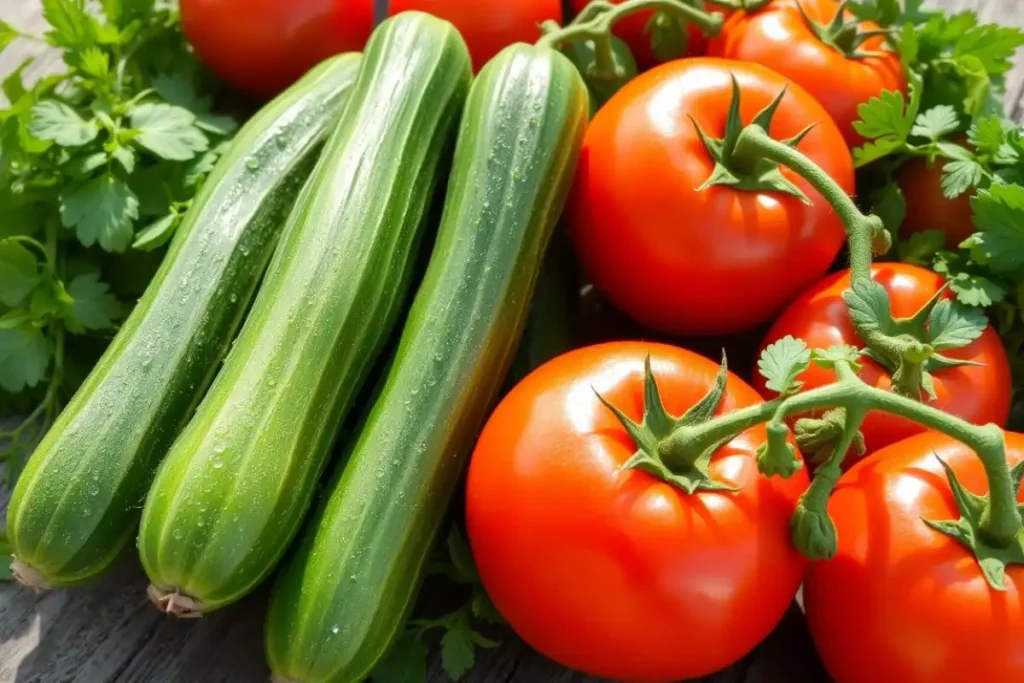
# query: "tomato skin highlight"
{"points": [[614, 572], [633, 30], [819, 316], [488, 27], [928, 208], [263, 46], [902, 603], [715, 261], [779, 38]]}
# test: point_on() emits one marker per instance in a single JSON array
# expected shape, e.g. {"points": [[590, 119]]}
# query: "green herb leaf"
{"points": [[969, 281], [72, 26], [960, 176], [94, 307], [951, 326], [921, 247], [889, 204], [483, 608], [7, 34], [94, 62], [827, 358], [125, 157], [157, 233], [168, 131], [122, 12], [461, 557], [50, 300], [992, 136], [991, 44], [999, 218], [782, 362], [83, 166], [56, 121], [24, 357], [886, 121], [19, 273], [406, 662], [936, 123], [100, 210], [458, 645]]}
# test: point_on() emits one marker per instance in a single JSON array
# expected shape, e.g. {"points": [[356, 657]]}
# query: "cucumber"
{"points": [[231, 494], [78, 501], [348, 588]]}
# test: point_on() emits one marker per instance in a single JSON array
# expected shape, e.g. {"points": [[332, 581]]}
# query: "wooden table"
{"points": [[109, 632]]}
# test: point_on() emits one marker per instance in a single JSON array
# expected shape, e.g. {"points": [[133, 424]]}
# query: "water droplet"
{"points": [[178, 534], [234, 298], [252, 164], [335, 630], [217, 463]]}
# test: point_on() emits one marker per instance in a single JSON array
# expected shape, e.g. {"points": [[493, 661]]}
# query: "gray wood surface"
{"points": [[108, 632]]}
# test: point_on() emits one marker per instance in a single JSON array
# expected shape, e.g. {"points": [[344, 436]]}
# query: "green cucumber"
{"points": [[231, 494], [78, 502], [348, 588]]}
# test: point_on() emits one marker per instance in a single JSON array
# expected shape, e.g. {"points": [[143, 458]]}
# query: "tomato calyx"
{"points": [[842, 35], [817, 437], [758, 174], [661, 438], [910, 348]]}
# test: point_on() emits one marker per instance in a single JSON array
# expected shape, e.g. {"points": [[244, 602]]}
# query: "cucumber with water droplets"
{"points": [[77, 504]]}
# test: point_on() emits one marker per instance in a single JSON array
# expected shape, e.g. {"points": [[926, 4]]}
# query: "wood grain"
{"points": [[109, 633]]}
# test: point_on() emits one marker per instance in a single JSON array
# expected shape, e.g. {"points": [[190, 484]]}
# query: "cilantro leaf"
{"points": [[56, 121], [50, 300], [782, 362], [936, 123], [71, 24], [122, 12], [24, 357], [827, 358], [459, 643], [94, 307], [19, 272], [483, 608], [960, 176], [921, 247], [101, 210], [999, 218], [988, 135], [7, 34], [951, 326], [968, 280], [406, 662], [886, 121], [461, 557], [991, 44], [168, 131], [94, 62]]}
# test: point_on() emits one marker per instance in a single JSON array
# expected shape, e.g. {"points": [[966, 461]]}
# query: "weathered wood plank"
{"points": [[109, 633]]}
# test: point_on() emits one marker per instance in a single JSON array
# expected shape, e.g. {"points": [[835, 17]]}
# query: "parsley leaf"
{"points": [[458, 645], [782, 362], [19, 272], [999, 218], [920, 248], [168, 131], [72, 27], [886, 121], [968, 280], [991, 44], [94, 307], [960, 176], [56, 121], [7, 34], [936, 123], [101, 210], [24, 356]]}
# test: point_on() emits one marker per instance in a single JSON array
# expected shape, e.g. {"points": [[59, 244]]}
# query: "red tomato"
{"points": [[715, 261], [633, 30], [820, 317], [263, 46], [488, 27], [615, 572], [928, 208], [779, 38], [901, 602]]}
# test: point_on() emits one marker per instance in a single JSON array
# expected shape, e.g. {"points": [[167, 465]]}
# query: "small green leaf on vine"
{"points": [[827, 358], [952, 325], [782, 362], [869, 307]]}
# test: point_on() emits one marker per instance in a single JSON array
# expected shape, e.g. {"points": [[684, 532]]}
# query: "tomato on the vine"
{"points": [[611, 570], [902, 602], [633, 30], [488, 27], [263, 46], [977, 393], [927, 208], [690, 260], [833, 66]]}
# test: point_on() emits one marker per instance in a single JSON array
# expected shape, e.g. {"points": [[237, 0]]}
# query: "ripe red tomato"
{"points": [[716, 261], [779, 38], [263, 46], [820, 317], [615, 572], [633, 30], [901, 602], [928, 208], [488, 27]]}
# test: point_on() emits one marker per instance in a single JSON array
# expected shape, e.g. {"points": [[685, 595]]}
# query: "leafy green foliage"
{"points": [[841, 353], [460, 639], [88, 158], [782, 362], [952, 325]]}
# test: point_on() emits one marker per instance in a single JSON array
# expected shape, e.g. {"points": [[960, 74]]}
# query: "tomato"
{"points": [[633, 30], [263, 46], [488, 27], [820, 317], [715, 261], [612, 571], [901, 602], [928, 208], [779, 38]]}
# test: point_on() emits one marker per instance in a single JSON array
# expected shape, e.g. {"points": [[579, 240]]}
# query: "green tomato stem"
{"points": [[754, 143], [597, 19]]}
